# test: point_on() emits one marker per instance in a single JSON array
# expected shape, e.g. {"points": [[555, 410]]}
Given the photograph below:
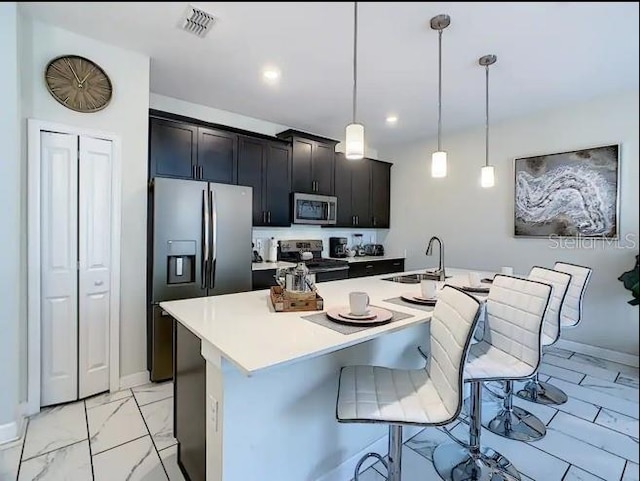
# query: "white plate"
{"points": [[357, 317], [380, 316]]}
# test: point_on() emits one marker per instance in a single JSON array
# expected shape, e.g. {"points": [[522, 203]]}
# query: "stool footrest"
{"points": [[363, 459]]}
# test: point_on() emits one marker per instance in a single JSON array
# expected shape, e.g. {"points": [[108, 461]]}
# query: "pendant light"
{"points": [[487, 174], [354, 133], [439, 158]]}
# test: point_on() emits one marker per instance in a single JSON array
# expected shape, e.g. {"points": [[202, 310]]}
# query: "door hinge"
{"points": [[77, 265]]}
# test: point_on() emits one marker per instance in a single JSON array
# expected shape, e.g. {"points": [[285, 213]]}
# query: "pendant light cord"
{"points": [[439, 90], [355, 58], [486, 124]]}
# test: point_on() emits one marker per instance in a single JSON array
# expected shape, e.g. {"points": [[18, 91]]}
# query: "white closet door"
{"points": [[59, 279], [95, 264]]}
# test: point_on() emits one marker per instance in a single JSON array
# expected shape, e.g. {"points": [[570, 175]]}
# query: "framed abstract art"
{"points": [[568, 194]]}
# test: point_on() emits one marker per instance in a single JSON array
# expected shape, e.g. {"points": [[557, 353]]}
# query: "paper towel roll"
{"points": [[272, 251]]}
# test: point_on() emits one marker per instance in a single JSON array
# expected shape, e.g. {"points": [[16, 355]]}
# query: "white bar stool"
{"points": [[431, 396], [510, 350], [570, 316], [512, 421]]}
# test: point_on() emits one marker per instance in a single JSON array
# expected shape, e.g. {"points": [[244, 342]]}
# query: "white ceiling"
{"points": [[549, 54]]}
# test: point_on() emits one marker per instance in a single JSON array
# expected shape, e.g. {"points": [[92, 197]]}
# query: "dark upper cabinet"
{"points": [[312, 162], [266, 165], [322, 168], [181, 150], [217, 156], [172, 149], [361, 192], [380, 194], [342, 182], [301, 167], [362, 188], [250, 163], [277, 176]]}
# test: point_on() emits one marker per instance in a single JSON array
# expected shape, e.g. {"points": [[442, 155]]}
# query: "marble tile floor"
{"points": [[128, 435], [111, 437]]}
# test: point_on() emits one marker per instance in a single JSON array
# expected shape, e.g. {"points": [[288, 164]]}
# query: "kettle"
{"points": [[296, 281]]}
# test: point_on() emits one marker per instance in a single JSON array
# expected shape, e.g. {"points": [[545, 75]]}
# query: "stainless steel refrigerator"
{"points": [[201, 247]]}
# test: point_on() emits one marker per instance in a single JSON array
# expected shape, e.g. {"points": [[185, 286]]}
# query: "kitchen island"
{"points": [[272, 379]]}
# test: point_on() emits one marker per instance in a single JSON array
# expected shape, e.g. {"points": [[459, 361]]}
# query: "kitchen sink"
{"points": [[413, 278]]}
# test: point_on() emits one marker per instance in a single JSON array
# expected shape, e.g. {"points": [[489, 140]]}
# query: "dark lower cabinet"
{"points": [[375, 268], [189, 403], [172, 149], [265, 165], [263, 279]]}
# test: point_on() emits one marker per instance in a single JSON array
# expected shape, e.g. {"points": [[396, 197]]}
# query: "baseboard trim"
{"points": [[346, 469], [601, 352], [9, 432], [135, 379]]}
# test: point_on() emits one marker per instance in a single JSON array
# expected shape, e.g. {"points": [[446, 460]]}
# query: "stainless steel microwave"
{"points": [[314, 209]]}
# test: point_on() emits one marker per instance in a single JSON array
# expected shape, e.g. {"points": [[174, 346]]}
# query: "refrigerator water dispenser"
{"points": [[181, 259]]}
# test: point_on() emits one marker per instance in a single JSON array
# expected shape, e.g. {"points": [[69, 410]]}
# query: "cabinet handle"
{"points": [[268, 217], [370, 266], [264, 217], [396, 264], [357, 220], [194, 172], [353, 220], [374, 221], [200, 171]]}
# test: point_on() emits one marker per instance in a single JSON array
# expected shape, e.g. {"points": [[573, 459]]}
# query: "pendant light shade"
{"points": [[354, 133], [354, 140], [487, 174], [439, 164], [439, 158]]}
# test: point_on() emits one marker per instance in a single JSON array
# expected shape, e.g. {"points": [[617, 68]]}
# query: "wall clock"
{"points": [[78, 83]]}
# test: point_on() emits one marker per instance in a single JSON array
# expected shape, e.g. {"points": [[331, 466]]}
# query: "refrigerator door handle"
{"points": [[204, 264], [214, 237]]}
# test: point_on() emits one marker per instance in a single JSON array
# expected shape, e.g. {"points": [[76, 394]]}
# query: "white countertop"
{"points": [[263, 266], [367, 258], [251, 335]]}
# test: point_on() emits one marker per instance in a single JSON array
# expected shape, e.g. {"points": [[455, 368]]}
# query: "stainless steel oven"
{"points": [[314, 209]]}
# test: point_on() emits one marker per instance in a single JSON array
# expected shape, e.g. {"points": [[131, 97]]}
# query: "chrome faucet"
{"points": [[440, 272]]}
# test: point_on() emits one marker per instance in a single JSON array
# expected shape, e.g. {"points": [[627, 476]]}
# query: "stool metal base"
{"points": [[542, 393], [517, 424], [455, 463]]}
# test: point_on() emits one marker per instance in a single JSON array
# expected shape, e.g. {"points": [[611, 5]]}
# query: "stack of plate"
{"points": [[374, 316], [418, 299]]}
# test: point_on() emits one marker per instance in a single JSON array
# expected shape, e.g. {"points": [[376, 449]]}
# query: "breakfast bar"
{"points": [[272, 378]]}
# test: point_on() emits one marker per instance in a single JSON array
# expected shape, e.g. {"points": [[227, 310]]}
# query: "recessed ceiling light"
{"points": [[271, 74], [392, 119]]}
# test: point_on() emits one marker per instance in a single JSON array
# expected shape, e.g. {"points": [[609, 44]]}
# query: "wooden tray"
{"points": [[285, 304]]}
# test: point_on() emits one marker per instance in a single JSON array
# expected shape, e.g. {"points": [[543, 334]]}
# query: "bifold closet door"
{"points": [[58, 273], [94, 267], [75, 196]]}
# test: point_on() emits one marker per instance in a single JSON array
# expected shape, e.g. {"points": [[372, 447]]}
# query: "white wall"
{"points": [[477, 224], [127, 116], [11, 288]]}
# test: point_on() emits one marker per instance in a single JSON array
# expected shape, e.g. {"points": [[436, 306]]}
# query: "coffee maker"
{"points": [[337, 247]]}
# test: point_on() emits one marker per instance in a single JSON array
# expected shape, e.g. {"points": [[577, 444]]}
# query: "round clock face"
{"points": [[78, 83]]}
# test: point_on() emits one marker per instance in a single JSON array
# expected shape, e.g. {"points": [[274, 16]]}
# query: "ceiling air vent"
{"points": [[197, 21]]}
